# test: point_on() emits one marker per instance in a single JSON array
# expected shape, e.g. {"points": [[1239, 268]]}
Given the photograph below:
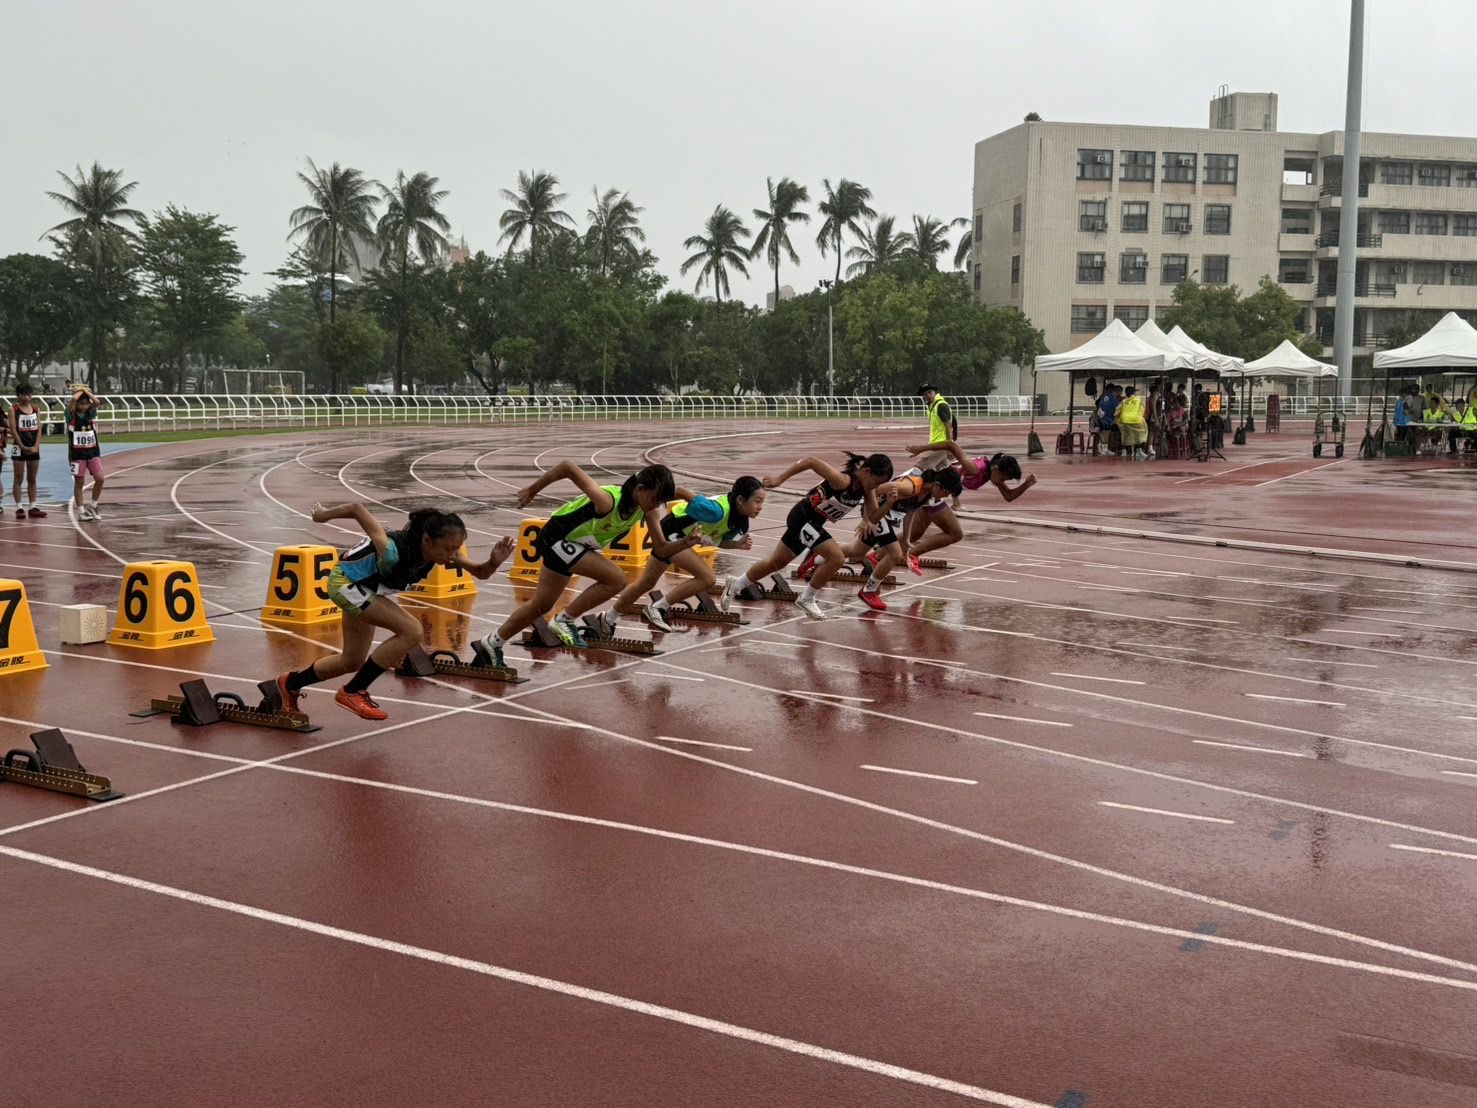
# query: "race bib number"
{"points": [[84, 440], [79, 468], [15, 452], [809, 534], [357, 595], [28, 421]]}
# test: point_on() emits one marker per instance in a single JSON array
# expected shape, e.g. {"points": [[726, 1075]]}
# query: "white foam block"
{"points": [[84, 623]]}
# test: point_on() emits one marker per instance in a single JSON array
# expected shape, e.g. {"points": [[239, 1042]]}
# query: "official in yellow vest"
{"points": [[942, 428], [1133, 427]]}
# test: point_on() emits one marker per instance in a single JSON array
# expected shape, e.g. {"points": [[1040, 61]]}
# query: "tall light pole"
{"points": [[831, 338], [1343, 312]]}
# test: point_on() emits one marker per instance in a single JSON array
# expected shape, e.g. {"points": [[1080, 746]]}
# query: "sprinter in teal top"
{"points": [[571, 542]]}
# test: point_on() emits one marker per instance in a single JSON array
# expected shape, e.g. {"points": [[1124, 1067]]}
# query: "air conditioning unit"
{"points": [[1138, 261], [1458, 270], [1185, 161], [1099, 224], [1398, 267], [1427, 171], [1103, 159], [1185, 228]]}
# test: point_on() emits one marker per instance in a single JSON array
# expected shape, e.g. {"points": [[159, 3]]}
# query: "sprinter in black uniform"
{"points": [[83, 451], [24, 424], [838, 494]]}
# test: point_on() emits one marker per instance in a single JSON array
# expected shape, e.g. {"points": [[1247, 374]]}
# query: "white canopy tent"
{"points": [[1451, 344], [1288, 361], [1114, 349], [1223, 363], [1175, 355]]}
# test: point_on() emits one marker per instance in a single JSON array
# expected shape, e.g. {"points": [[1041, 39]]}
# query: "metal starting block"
{"points": [[705, 612], [775, 590], [53, 766], [542, 637], [197, 706], [420, 664], [933, 563], [849, 577]]}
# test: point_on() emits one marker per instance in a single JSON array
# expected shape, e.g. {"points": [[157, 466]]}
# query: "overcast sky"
{"points": [[214, 106]]}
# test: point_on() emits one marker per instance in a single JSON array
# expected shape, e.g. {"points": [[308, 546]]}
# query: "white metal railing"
{"points": [[217, 412]]}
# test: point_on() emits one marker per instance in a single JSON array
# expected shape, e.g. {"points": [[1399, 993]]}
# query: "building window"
{"points": [[1297, 221], [1433, 175], [1090, 269], [979, 227], [1429, 273], [1092, 215], [1220, 169], [1466, 176], [1465, 225], [1094, 165], [1089, 318], [1176, 219], [1015, 220], [1293, 271], [1396, 173], [1179, 167], [1015, 269], [1464, 274], [1133, 318], [1215, 269], [1133, 268], [1217, 219], [1395, 274], [1394, 223], [1174, 268], [1135, 215], [1430, 223], [977, 276], [1138, 165]]}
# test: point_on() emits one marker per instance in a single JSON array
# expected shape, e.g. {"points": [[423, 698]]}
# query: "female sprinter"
{"points": [[361, 584], [833, 499], [25, 451], [975, 473], [884, 546], [83, 451], [719, 521], [571, 541]]}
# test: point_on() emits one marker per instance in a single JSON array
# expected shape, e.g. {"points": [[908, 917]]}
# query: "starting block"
{"points": [[197, 706], [933, 563], [420, 664], [705, 612], [542, 637], [775, 590], [849, 577], [53, 766]]}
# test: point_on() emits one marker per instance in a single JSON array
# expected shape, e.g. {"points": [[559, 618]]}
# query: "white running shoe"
{"points": [[97, 510], [656, 617], [811, 608], [729, 592], [84, 513]]}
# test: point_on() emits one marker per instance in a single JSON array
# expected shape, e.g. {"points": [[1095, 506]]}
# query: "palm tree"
{"points": [[966, 243], [339, 216], [718, 249], [614, 228], [844, 208], [880, 245], [785, 199], [928, 239], [412, 218], [535, 211], [96, 241]]}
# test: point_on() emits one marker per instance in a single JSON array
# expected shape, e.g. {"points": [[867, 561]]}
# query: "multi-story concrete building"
{"points": [[1080, 223]]}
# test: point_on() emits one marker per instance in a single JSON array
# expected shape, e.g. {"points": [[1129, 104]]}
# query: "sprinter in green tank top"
{"points": [[570, 544]]}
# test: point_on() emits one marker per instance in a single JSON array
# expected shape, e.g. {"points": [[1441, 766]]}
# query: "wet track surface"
{"points": [[1082, 820]]}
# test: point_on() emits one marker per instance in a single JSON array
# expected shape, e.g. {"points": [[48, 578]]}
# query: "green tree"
{"points": [[96, 242], [615, 228], [191, 269], [338, 217], [880, 245], [40, 311], [718, 249], [842, 210], [927, 240], [412, 233], [773, 240], [237, 347], [535, 212], [1209, 314], [1405, 331], [966, 242], [351, 347], [286, 323]]}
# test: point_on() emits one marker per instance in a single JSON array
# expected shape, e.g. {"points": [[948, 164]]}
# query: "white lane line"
{"points": [[1324, 662], [1201, 619], [699, 742], [1433, 850], [830, 695], [1389, 611], [1298, 473], [1296, 700], [1089, 677], [915, 773], [1256, 749], [666, 677], [1025, 719], [1163, 812], [1456, 773], [599, 684], [1159, 646], [1106, 588], [1467, 717], [1152, 573], [545, 984], [1362, 634]]}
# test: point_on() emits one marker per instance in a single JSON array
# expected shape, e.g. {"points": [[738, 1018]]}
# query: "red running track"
{"points": [[1083, 820]]}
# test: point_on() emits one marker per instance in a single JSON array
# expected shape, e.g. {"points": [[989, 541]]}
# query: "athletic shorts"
{"points": [[560, 555], [885, 532], [352, 597], [93, 466], [803, 530], [20, 454], [672, 531], [934, 459]]}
